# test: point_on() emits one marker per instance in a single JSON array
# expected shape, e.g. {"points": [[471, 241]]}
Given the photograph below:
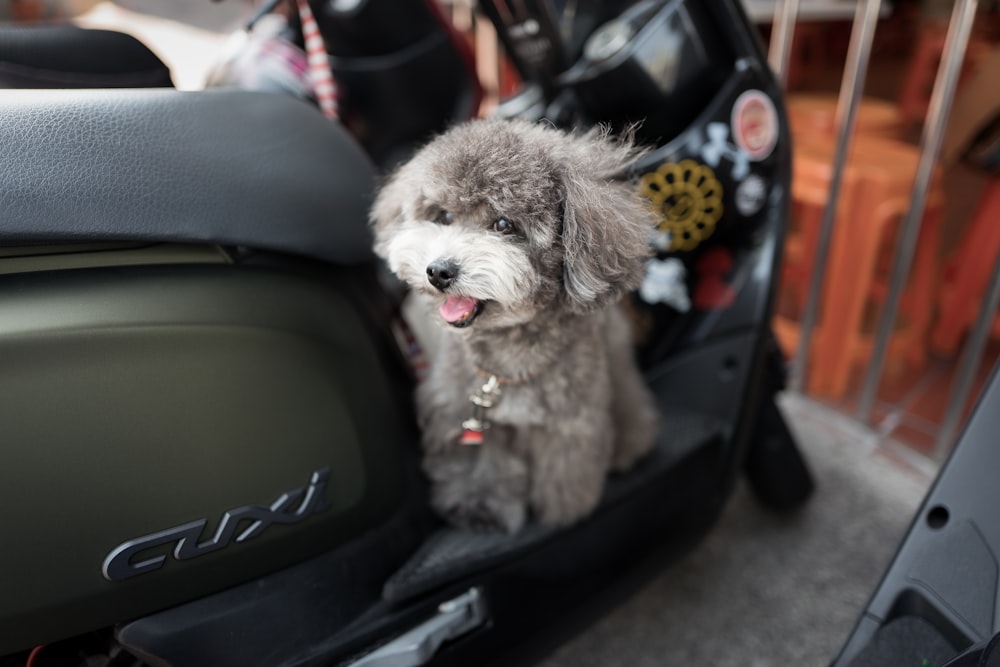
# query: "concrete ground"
{"points": [[764, 589]]}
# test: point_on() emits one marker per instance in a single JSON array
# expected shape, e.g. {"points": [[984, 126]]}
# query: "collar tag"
{"points": [[485, 398]]}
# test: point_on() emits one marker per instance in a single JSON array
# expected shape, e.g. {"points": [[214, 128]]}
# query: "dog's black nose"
{"points": [[442, 272]]}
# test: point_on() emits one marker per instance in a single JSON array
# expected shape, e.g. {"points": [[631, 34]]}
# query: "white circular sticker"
{"points": [[755, 124], [750, 195]]}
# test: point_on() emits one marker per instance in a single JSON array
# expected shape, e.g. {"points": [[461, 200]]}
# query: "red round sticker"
{"points": [[755, 124]]}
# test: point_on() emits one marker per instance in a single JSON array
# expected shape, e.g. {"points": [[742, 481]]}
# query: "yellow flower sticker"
{"points": [[688, 198]]}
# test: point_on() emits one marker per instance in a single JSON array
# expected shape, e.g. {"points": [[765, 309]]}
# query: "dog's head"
{"points": [[503, 219]]}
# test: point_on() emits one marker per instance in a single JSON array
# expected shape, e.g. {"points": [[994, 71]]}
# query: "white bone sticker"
{"points": [[718, 147], [664, 283]]}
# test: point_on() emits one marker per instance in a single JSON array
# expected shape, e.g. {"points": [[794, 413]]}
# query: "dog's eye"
{"points": [[503, 225], [444, 217]]}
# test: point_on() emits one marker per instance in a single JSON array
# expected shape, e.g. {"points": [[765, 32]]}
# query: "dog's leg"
{"points": [[634, 411], [477, 486], [569, 462], [483, 486]]}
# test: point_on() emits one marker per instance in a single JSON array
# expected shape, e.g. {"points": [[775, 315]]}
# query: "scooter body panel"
{"points": [[945, 575], [171, 431]]}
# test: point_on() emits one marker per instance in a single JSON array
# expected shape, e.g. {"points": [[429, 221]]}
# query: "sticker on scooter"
{"points": [[664, 282], [755, 124], [750, 195], [712, 290], [688, 198], [662, 240], [718, 147]]}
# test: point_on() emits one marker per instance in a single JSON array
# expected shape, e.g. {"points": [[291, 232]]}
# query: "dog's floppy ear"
{"points": [[606, 222]]}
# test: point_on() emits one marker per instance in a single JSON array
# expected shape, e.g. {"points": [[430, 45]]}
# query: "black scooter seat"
{"points": [[224, 167]]}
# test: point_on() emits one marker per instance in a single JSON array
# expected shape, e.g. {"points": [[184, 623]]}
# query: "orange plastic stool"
{"points": [[875, 195], [918, 81], [967, 274], [816, 112]]}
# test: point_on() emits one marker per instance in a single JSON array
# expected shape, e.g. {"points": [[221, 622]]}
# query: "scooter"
{"points": [[210, 451]]}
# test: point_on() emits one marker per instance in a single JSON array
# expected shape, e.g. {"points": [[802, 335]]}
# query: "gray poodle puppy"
{"points": [[524, 242]]}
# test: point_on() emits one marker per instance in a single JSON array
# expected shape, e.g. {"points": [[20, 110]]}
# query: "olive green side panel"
{"points": [[137, 400]]}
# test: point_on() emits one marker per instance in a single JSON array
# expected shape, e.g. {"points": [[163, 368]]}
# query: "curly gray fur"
{"points": [[545, 284]]}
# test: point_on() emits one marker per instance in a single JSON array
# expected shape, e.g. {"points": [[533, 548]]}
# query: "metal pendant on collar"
{"points": [[485, 398]]}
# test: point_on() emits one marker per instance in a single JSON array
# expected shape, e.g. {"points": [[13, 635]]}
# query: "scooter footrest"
{"points": [[453, 553]]}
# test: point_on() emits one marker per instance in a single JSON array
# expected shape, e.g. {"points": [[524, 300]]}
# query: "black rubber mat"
{"points": [[452, 553], [906, 641]]}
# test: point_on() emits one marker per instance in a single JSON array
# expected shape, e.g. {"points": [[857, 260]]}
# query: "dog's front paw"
{"points": [[480, 512], [479, 488]]}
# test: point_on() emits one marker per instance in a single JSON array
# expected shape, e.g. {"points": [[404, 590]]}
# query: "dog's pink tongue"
{"points": [[457, 308]]}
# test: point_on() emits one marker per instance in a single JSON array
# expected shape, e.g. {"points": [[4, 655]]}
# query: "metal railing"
{"points": [[943, 94]]}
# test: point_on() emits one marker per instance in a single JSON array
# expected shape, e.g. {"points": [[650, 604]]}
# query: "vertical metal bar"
{"points": [[971, 355], [851, 88], [786, 12], [486, 47], [930, 146]]}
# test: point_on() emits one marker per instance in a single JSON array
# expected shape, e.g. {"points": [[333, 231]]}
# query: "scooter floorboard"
{"points": [[453, 553]]}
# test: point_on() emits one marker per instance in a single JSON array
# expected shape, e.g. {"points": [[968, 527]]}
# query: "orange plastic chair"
{"points": [[816, 112], [967, 274], [875, 195], [918, 81], [812, 112]]}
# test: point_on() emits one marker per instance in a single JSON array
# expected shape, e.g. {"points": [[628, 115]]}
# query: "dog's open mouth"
{"points": [[460, 311]]}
